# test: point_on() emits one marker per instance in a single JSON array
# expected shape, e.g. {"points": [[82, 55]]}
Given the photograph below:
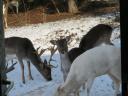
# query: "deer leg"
{"points": [[22, 69], [29, 71], [83, 86], [75, 91], [77, 94], [89, 85], [116, 85], [64, 76]]}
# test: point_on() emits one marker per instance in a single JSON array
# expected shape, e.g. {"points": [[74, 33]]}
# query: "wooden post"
{"points": [[2, 50]]}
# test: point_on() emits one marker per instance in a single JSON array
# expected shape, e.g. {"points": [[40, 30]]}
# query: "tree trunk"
{"points": [[2, 49], [72, 7]]}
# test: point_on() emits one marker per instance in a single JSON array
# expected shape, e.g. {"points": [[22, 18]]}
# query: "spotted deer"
{"points": [[85, 68], [6, 5], [24, 49]]}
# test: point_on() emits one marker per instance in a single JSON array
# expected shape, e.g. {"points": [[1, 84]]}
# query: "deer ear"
{"points": [[53, 42], [68, 38]]}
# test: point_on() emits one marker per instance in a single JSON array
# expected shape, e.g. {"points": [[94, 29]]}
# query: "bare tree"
{"points": [[2, 49], [72, 7]]}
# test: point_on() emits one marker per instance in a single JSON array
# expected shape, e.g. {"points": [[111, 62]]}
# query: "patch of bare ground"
{"points": [[36, 15]]}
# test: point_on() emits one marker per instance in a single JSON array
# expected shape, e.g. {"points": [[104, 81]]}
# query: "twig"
{"points": [[11, 68]]}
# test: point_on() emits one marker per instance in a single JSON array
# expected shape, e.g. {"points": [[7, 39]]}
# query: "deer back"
{"points": [[97, 35], [19, 46]]}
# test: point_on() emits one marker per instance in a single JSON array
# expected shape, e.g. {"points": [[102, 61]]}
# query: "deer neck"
{"points": [[65, 63], [65, 58], [36, 61]]}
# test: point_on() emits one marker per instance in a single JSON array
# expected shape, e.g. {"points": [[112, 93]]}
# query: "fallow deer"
{"points": [[24, 49], [99, 34], [63, 51], [89, 65], [10, 3]]}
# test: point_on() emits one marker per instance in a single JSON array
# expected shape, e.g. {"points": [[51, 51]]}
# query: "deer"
{"points": [[23, 48], [100, 32], [14, 3], [67, 57], [8, 4], [85, 68], [65, 61], [97, 35]]}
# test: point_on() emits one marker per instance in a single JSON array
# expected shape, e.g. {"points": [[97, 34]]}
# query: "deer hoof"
{"points": [[24, 82]]}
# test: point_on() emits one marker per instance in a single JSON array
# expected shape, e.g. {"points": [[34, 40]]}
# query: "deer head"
{"points": [[61, 44], [43, 67], [47, 71]]}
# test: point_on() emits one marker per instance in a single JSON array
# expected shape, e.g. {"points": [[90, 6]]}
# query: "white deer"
{"points": [[91, 64], [62, 48]]}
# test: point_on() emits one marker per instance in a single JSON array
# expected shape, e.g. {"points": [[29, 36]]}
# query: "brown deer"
{"points": [[24, 49]]}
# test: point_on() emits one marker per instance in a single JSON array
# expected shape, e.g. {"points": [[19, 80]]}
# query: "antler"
{"points": [[37, 49], [52, 50], [41, 52], [47, 64]]}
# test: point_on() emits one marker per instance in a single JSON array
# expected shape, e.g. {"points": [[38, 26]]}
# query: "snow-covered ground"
{"points": [[40, 34]]}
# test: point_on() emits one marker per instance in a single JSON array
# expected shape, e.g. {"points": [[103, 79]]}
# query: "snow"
{"points": [[40, 34]]}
